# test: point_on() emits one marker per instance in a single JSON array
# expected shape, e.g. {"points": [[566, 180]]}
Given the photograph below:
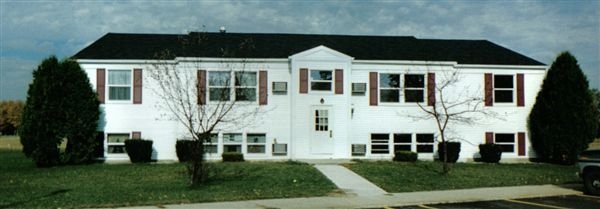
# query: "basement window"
{"points": [[256, 143], [425, 143], [232, 143], [380, 143]]}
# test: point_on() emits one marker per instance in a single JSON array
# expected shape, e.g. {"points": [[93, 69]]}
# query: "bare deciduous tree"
{"points": [[453, 105], [202, 110]]}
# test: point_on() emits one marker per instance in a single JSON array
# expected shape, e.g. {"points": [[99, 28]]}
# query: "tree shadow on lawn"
{"points": [[31, 199]]}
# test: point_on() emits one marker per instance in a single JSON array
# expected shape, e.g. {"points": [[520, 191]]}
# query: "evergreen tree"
{"points": [[563, 120], [60, 104], [81, 113]]}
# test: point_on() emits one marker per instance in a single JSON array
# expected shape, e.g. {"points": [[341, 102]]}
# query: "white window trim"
{"points": [[401, 89], [513, 89], [108, 85], [331, 82]]}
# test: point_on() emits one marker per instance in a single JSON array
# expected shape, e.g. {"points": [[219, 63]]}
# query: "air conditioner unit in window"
{"points": [[359, 149], [280, 87], [279, 149], [359, 87]]}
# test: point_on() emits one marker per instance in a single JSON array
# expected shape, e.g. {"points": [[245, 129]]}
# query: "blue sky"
{"points": [[33, 30]]}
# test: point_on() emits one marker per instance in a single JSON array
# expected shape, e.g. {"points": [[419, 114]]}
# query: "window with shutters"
{"points": [[503, 88], [425, 143], [321, 80], [389, 87], [506, 141], [380, 143], [414, 88], [119, 85], [245, 86]]}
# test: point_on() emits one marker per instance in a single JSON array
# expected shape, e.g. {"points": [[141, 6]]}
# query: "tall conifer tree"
{"points": [[60, 104], [563, 120]]}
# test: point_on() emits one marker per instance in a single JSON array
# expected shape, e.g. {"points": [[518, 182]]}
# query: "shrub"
{"points": [[453, 151], [139, 150], [490, 153], [232, 157], [405, 156], [185, 148]]}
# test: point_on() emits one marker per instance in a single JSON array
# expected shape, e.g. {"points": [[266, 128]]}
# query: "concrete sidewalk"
{"points": [[394, 199], [351, 183]]}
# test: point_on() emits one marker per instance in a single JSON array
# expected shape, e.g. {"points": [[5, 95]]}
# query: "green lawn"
{"points": [[424, 176], [104, 185]]}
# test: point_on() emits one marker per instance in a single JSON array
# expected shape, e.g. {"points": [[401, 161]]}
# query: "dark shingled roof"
{"points": [[252, 45]]}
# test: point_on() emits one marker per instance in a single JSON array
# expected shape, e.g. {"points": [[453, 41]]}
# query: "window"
{"points": [[232, 143], [219, 85], [321, 120], [119, 85], [503, 88], [389, 87], [506, 142], [116, 143], [414, 88], [380, 143], [402, 142], [425, 143], [210, 146], [245, 86], [321, 80], [256, 143]]}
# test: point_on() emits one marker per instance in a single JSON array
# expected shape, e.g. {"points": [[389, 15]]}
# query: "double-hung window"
{"points": [[506, 141], [245, 86], [256, 143], [425, 143], [219, 85], [321, 80], [389, 87], [414, 87], [119, 85], [503, 88]]}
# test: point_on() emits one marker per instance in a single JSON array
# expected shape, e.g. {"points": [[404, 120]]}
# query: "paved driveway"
{"points": [[557, 202]]}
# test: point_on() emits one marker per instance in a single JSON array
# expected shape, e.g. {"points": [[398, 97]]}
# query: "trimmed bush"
{"points": [[184, 149], [490, 153], [232, 157], [453, 151], [139, 150], [405, 156]]}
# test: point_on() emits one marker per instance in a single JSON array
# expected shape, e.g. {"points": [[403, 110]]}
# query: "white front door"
{"points": [[321, 141]]}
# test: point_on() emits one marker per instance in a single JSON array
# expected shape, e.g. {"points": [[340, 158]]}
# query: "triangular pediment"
{"points": [[321, 53]]}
